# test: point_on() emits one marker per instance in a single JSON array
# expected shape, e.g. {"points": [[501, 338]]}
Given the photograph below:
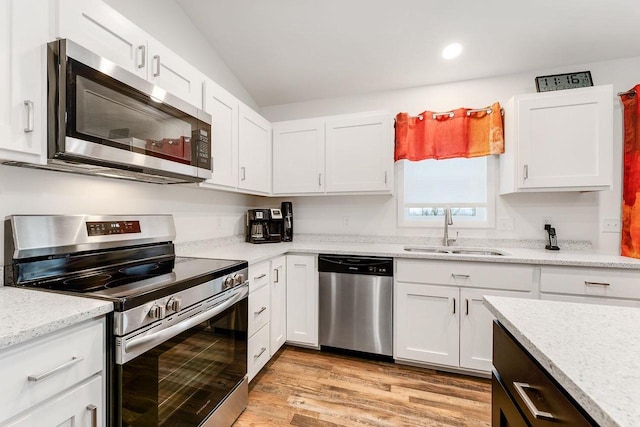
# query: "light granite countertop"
{"points": [[27, 314], [255, 253], [590, 350]]}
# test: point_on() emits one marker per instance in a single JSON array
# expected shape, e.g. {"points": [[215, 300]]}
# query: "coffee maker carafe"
{"points": [[264, 226]]}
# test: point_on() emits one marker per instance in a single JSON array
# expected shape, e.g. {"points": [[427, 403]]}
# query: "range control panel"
{"points": [[106, 228]]}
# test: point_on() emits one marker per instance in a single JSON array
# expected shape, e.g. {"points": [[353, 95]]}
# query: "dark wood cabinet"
{"points": [[524, 394]]}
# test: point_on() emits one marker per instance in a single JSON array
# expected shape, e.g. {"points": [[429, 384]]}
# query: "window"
{"points": [[427, 187]]}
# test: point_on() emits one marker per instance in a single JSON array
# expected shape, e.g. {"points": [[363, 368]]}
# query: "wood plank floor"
{"points": [[308, 388]]}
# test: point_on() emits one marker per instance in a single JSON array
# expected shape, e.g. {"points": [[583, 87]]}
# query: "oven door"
{"points": [[183, 379]]}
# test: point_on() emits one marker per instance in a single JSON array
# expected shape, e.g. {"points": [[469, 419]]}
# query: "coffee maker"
{"points": [[287, 218], [264, 226]]}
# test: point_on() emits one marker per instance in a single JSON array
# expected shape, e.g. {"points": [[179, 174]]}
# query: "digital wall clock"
{"points": [[563, 81]]}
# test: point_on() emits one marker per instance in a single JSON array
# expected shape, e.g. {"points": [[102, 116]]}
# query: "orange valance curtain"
{"points": [[460, 133], [630, 240]]}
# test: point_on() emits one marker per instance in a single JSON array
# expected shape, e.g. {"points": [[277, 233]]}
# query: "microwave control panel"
{"points": [[203, 150]]}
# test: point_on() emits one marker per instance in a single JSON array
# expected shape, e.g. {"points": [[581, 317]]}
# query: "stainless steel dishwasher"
{"points": [[356, 303]]}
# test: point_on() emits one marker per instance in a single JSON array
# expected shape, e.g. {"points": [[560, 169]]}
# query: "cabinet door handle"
{"points": [[530, 405], [94, 415], [454, 306], [596, 283], [262, 350], [257, 313], [466, 303], [74, 360], [319, 180], [242, 173], [157, 59], [143, 56], [526, 171], [385, 177], [277, 274], [260, 276], [29, 106]]}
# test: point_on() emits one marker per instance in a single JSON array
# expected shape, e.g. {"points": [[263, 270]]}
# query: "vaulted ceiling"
{"points": [[286, 51]]}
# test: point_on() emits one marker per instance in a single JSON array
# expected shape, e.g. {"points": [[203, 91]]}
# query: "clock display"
{"points": [[563, 81]]}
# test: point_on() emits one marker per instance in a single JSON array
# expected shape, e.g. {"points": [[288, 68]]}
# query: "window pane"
{"points": [[446, 181]]}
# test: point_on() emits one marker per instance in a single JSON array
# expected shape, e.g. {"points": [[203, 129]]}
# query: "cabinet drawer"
{"points": [[258, 351], [517, 370], [259, 311], [36, 370], [468, 274], [601, 282], [258, 275]]}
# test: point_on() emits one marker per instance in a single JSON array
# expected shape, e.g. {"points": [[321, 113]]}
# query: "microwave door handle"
{"points": [[150, 341]]}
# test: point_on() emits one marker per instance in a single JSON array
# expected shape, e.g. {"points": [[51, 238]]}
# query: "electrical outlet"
{"points": [[505, 224], [610, 225], [546, 220], [345, 221]]}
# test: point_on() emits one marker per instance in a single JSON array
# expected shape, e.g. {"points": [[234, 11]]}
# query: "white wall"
{"points": [[576, 216], [168, 23], [199, 213]]}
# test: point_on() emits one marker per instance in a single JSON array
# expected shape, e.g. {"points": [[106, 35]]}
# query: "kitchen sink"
{"points": [[453, 250]]}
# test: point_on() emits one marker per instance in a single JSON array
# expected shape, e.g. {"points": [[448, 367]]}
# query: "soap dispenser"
{"points": [[553, 239]]}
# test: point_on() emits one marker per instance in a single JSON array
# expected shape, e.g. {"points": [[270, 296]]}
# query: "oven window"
{"points": [[180, 382]]}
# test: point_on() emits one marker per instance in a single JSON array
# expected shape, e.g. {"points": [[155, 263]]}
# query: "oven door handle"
{"points": [[152, 340]]}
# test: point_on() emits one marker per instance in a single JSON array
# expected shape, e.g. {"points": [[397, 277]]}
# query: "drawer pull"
{"points": [[259, 311], [94, 415], [260, 276], [596, 283], [262, 350], [460, 276], [74, 360], [527, 401]]}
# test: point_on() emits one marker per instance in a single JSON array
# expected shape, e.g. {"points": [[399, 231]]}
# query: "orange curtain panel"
{"points": [[630, 240], [460, 133]]}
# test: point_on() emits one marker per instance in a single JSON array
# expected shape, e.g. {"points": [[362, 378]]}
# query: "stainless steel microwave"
{"points": [[104, 120]]}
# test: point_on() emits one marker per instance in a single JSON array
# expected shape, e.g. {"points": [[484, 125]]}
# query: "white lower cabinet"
{"points": [[590, 285], [302, 300], [278, 322], [267, 312], [70, 409], [444, 322], [258, 327], [56, 379]]}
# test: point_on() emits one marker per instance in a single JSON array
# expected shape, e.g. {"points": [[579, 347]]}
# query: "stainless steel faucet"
{"points": [[448, 220]]}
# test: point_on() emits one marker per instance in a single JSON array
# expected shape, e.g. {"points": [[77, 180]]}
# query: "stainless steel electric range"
{"points": [[177, 340]]}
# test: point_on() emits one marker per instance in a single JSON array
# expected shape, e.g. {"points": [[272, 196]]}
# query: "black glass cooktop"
{"points": [[133, 285]]}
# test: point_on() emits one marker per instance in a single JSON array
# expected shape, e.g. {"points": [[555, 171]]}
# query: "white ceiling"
{"points": [[286, 51]]}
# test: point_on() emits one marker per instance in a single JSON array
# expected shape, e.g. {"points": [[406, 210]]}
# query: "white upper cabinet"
{"points": [[359, 154], [24, 32], [174, 74], [334, 155], [558, 141], [298, 156], [254, 152], [223, 108], [96, 26]]}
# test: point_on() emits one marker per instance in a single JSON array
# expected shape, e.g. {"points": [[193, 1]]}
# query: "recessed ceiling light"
{"points": [[452, 51]]}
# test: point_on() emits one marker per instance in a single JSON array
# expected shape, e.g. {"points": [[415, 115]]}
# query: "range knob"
{"points": [[174, 304], [228, 283], [156, 312], [238, 278]]}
